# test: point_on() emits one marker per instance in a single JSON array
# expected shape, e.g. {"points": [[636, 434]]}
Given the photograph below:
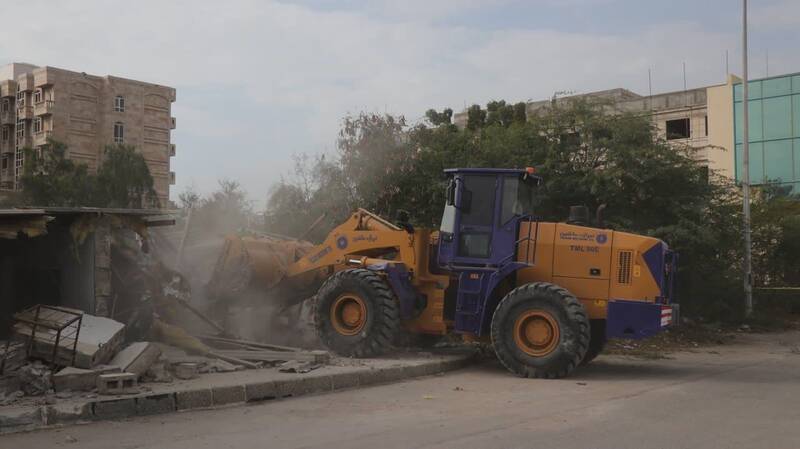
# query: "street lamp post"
{"points": [[748, 275]]}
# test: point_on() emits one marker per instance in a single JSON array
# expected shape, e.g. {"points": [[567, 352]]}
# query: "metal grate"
{"points": [[624, 267]]}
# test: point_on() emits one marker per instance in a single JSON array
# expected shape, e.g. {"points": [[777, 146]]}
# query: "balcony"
{"points": [[23, 142], [8, 117], [41, 137], [43, 107], [24, 113], [172, 150]]}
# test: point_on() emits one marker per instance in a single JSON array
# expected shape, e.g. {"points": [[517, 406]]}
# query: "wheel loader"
{"points": [[546, 295]]}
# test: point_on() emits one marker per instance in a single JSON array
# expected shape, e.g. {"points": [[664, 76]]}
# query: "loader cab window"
{"points": [[518, 197], [477, 216]]}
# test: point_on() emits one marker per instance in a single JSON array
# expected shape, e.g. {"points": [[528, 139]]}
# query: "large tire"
{"points": [[597, 340], [356, 314], [540, 330]]}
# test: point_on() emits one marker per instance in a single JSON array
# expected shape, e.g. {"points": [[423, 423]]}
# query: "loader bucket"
{"points": [[253, 263]]}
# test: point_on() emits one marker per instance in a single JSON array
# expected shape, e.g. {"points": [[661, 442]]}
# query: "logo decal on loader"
{"points": [[601, 238], [341, 242]]}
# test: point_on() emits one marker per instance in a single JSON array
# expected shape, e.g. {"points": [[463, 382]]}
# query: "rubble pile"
{"points": [[153, 334]]}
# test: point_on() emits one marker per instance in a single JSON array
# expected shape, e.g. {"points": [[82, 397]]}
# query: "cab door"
{"points": [[476, 219]]}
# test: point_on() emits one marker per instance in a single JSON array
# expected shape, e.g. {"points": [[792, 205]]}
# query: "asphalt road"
{"points": [[744, 395]]}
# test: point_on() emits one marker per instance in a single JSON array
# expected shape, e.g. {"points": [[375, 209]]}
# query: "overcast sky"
{"points": [[259, 80]]}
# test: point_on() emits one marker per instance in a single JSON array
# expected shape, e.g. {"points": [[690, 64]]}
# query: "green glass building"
{"points": [[774, 108]]}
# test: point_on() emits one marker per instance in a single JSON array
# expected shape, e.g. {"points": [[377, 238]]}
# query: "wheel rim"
{"points": [[536, 333], [348, 314]]}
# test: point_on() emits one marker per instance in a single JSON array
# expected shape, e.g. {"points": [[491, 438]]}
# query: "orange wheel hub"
{"points": [[348, 314], [536, 332]]}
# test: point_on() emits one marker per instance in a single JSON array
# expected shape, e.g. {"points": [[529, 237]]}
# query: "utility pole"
{"points": [[748, 275]]}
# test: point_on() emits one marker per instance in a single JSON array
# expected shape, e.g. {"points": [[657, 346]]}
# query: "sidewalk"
{"points": [[221, 389]]}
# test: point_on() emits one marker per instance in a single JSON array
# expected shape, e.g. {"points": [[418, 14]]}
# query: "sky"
{"points": [[259, 81]]}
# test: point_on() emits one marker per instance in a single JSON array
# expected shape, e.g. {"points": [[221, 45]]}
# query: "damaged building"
{"points": [[62, 256]]}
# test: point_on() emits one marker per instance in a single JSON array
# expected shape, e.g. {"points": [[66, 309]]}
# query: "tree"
{"points": [[439, 118], [124, 180], [50, 179], [189, 198]]}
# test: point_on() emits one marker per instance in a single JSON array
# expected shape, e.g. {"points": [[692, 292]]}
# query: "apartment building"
{"points": [[86, 112]]}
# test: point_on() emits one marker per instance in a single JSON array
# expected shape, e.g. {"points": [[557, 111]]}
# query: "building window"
{"points": [[119, 104], [5, 134], [5, 162], [37, 125], [6, 105], [119, 132], [706, 117], [20, 129], [20, 98], [37, 96], [678, 129]]}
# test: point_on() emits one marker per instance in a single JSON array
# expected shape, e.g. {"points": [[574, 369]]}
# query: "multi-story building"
{"points": [[694, 117], [773, 131], [87, 113]]}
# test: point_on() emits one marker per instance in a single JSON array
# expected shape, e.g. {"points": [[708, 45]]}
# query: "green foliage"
{"points": [[439, 118], [586, 157], [51, 179], [124, 180]]}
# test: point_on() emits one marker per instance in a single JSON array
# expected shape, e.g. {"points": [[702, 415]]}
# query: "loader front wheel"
{"points": [[540, 330], [356, 314]]}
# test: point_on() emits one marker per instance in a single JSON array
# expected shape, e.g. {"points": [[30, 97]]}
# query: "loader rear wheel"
{"points": [[597, 341], [356, 314], [540, 330]]}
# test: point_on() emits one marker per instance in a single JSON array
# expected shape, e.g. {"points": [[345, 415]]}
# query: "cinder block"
{"points": [[155, 404], [187, 400], [260, 391], [227, 395], [117, 383], [117, 408]]}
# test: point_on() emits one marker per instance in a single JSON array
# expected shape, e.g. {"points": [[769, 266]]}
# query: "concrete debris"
{"points": [[294, 366], [158, 373], [185, 371], [35, 379], [218, 366], [137, 357], [71, 378], [79, 379], [118, 383], [98, 340], [10, 398], [12, 355]]}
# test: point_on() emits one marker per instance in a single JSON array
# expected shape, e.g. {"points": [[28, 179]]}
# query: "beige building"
{"points": [[701, 118], [86, 112]]}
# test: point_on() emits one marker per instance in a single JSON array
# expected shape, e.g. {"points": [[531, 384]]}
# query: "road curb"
{"points": [[20, 419]]}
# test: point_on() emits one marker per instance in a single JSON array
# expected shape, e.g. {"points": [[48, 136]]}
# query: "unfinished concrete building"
{"points": [[86, 112], [682, 117]]}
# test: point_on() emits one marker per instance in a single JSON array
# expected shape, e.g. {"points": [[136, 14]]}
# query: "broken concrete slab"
{"points": [[74, 379], [79, 379], [98, 340], [185, 371], [137, 357]]}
